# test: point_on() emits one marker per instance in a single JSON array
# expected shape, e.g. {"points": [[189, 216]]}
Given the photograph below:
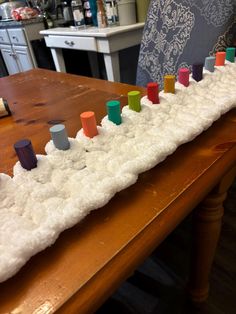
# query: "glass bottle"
{"points": [[111, 12], [87, 12], [48, 21], [101, 15], [78, 13]]}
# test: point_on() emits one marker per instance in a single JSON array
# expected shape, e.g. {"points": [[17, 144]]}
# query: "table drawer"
{"points": [[4, 38], [72, 42], [17, 36]]}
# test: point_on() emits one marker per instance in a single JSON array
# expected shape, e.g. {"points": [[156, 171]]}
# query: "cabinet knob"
{"points": [[15, 38], [69, 43], [1, 38], [11, 54]]}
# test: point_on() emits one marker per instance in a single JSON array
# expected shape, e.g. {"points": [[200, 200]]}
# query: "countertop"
{"points": [[92, 31], [16, 24]]}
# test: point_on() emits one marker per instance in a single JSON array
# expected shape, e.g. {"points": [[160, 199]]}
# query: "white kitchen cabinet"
{"points": [[17, 36], [15, 45], [17, 58], [23, 58], [4, 38], [9, 59]]}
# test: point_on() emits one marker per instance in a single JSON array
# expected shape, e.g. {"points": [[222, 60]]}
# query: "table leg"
{"points": [[93, 61], [112, 66], [207, 227], [58, 59]]}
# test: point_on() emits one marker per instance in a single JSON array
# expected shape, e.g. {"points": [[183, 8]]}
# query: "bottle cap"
{"points": [[183, 76], [153, 92], [89, 123], [169, 84], [134, 100], [59, 137], [26, 154], [220, 58], [210, 63], [197, 71], [230, 54], [113, 111]]}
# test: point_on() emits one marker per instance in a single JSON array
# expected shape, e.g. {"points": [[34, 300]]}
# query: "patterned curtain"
{"points": [[179, 33]]}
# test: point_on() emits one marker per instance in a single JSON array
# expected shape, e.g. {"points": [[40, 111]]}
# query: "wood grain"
{"points": [[40, 99], [89, 261]]}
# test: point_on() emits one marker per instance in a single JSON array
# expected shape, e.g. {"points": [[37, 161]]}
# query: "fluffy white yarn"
{"points": [[36, 205]]}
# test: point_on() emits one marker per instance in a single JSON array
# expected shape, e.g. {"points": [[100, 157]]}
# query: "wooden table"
{"points": [[89, 261], [108, 41]]}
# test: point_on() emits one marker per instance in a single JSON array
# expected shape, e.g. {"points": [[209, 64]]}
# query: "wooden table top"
{"points": [[89, 261]]}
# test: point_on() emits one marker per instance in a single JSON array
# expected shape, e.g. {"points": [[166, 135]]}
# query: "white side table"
{"points": [[108, 41]]}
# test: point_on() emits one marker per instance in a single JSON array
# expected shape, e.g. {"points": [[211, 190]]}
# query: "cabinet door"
{"points": [[23, 58], [4, 38], [9, 59], [17, 36]]}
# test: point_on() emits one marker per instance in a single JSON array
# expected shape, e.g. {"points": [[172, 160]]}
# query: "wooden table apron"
{"points": [[89, 261]]}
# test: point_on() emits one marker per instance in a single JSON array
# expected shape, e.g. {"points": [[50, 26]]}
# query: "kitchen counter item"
{"points": [[111, 12], [126, 12], [78, 14], [14, 24], [5, 8], [101, 14], [67, 11]]}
